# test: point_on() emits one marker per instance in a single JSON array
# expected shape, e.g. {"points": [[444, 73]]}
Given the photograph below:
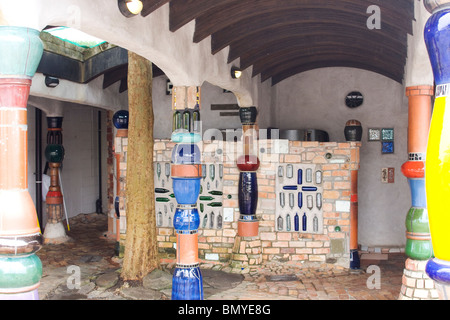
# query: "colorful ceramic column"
{"points": [[120, 121], [418, 247], [54, 153], [248, 164], [20, 236], [186, 173], [418, 239], [437, 166]]}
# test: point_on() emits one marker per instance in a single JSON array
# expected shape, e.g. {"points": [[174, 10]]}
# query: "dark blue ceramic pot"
{"points": [[248, 193], [120, 119]]}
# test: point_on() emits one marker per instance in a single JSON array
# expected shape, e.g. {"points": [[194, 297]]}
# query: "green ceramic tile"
{"points": [[387, 134]]}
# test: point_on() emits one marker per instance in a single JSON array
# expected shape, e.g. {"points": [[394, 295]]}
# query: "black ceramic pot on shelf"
{"points": [[353, 130]]}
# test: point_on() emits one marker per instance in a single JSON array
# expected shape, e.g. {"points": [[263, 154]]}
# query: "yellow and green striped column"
{"points": [[437, 167]]}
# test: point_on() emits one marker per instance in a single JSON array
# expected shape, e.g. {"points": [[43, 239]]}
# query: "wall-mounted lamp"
{"points": [[130, 8], [51, 82], [169, 87], [236, 73]]}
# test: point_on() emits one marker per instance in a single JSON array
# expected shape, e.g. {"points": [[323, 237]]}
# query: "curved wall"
{"points": [[316, 99]]}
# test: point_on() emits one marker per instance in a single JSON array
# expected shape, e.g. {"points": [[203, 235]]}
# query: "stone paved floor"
{"points": [[92, 255]]}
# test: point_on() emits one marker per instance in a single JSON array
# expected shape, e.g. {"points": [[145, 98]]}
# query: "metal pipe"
{"points": [[98, 203], [354, 255], [38, 161]]}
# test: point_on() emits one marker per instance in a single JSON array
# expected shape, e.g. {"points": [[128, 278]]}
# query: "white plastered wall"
{"points": [[184, 62]]}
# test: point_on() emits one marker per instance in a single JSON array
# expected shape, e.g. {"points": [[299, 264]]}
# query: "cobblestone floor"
{"points": [[92, 254]]}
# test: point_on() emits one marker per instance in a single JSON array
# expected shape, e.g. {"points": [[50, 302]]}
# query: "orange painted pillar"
{"points": [[354, 257], [354, 169]]}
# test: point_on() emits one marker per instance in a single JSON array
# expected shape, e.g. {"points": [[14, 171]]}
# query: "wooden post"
{"points": [[141, 252]]}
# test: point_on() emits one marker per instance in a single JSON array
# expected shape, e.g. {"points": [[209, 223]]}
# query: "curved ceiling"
{"points": [[281, 38]]}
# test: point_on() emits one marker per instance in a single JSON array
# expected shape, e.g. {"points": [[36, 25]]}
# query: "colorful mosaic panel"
{"points": [[387, 134], [387, 147], [374, 134]]}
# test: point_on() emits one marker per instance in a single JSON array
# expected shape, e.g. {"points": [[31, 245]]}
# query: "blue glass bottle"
{"points": [[304, 221], [296, 222]]}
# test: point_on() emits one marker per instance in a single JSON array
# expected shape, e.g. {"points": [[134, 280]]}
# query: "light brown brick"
{"points": [[286, 236], [268, 236]]}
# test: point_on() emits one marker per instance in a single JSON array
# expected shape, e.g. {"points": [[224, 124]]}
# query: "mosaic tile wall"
{"points": [[330, 243], [299, 198]]}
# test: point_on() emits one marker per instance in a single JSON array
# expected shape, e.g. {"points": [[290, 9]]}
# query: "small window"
{"points": [[74, 36]]}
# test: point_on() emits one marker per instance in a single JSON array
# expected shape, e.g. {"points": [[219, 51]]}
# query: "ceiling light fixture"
{"points": [[130, 8], [236, 73]]}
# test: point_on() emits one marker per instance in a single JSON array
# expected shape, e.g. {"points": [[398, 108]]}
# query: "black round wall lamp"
{"points": [[236, 73], [51, 82], [354, 99], [130, 8]]}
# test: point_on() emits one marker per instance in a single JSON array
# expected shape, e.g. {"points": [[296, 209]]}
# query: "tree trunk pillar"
{"points": [[141, 252]]}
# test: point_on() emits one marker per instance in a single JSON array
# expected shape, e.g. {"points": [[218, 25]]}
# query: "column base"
{"points": [[355, 262], [55, 233], [416, 285], [31, 295], [247, 252], [443, 290], [187, 283]]}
